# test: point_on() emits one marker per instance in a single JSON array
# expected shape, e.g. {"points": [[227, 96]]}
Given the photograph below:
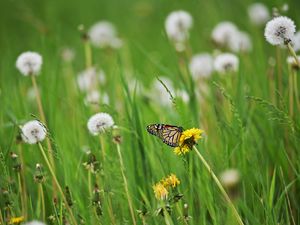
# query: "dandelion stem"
{"points": [[291, 93], [293, 53], [57, 184], [239, 220], [21, 193], [279, 69], [126, 185], [102, 148], [110, 211], [296, 89], [43, 118], [41, 193], [88, 54], [23, 183]]}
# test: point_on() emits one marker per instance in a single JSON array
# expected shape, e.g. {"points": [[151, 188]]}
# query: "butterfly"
{"points": [[169, 134]]}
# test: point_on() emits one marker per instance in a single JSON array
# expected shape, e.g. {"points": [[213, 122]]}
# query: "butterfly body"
{"points": [[169, 134]]}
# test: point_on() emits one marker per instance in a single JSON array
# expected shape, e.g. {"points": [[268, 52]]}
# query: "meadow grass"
{"points": [[247, 119]]}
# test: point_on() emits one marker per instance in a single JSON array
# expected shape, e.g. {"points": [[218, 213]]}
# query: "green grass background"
{"points": [[247, 140]]}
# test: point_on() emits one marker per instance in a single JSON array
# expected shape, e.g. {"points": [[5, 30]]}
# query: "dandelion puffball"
{"points": [[280, 30], [296, 42], [29, 63], [230, 178], [33, 132], [201, 65], [240, 42], [226, 62], [223, 32], [258, 13], [99, 123], [104, 34], [177, 25], [35, 222]]}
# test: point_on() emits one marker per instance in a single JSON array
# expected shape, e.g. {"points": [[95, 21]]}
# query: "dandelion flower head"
{"points": [[160, 191], [33, 132], [226, 62], [258, 13], [230, 178], [280, 30], [240, 42], [296, 42], [35, 222], [16, 220], [171, 181], [187, 140], [223, 32], [29, 63], [201, 65], [104, 34], [99, 123]]}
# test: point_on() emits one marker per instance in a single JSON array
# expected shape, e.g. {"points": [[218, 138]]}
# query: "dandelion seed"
{"points": [[201, 65], [226, 62], [223, 32], [29, 63], [159, 92], [280, 30], [87, 79], [103, 34], [177, 25], [187, 140], [296, 42], [230, 178], [67, 54], [35, 222], [291, 61], [258, 13], [99, 123], [33, 132], [240, 42], [160, 191]]}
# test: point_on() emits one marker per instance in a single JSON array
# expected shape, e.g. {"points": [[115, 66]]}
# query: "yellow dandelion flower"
{"points": [[171, 181], [16, 220], [160, 191], [187, 140]]}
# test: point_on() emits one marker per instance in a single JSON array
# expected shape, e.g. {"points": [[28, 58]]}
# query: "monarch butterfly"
{"points": [[169, 134]]}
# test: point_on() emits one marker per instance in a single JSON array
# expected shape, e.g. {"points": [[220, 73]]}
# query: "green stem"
{"points": [[293, 53], [41, 191], [223, 192], [126, 185], [57, 184], [88, 54], [21, 192], [296, 89]]}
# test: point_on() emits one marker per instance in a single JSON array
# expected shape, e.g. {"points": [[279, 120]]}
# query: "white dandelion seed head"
{"points": [[99, 123], [223, 32], [285, 7], [201, 65], [183, 95], [101, 77], [29, 63], [104, 34], [67, 54], [291, 60], [35, 222], [258, 13], [240, 42], [296, 42], [87, 79], [230, 178], [226, 62], [92, 97], [33, 132], [160, 94], [177, 25], [280, 30]]}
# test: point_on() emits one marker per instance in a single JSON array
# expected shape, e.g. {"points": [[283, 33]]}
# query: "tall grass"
{"points": [[248, 126]]}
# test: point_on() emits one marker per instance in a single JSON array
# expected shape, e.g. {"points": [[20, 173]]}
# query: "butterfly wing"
{"points": [[167, 133]]}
